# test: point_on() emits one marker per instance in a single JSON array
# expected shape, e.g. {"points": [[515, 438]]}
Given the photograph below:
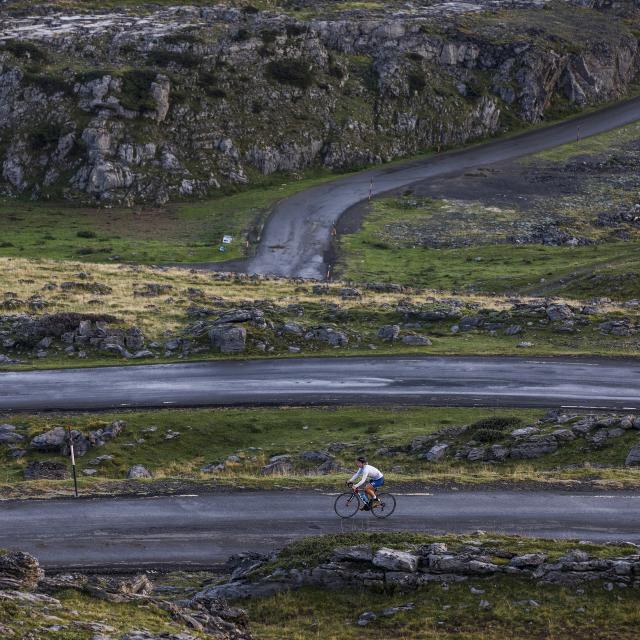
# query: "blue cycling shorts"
{"points": [[377, 483]]}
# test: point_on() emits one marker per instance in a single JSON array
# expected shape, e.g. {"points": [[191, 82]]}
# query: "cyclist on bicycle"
{"points": [[367, 472]]}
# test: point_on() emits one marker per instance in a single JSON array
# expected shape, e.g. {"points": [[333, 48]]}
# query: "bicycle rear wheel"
{"points": [[385, 507], [347, 504]]}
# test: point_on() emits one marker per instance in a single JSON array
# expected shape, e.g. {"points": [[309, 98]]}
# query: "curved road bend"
{"points": [[205, 530], [297, 234], [458, 381]]}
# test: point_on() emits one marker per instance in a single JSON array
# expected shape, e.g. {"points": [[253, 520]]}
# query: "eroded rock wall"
{"points": [[116, 108]]}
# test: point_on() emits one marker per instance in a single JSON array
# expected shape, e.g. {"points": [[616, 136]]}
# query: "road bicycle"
{"points": [[347, 504]]}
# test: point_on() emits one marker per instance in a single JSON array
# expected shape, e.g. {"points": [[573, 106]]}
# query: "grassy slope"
{"points": [[371, 255], [210, 435], [175, 233], [157, 316]]}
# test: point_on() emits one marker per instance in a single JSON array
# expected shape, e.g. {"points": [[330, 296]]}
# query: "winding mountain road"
{"points": [[204, 530], [297, 235], [460, 381]]}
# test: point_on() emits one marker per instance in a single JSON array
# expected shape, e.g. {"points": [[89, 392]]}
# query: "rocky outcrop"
{"points": [[25, 587], [158, 108], [389, 569]]}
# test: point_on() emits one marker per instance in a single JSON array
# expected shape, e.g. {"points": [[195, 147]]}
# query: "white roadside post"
{"points": [[73, 462]]}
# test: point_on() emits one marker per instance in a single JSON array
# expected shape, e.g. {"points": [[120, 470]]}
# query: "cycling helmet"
{"points": [[362, 459]]}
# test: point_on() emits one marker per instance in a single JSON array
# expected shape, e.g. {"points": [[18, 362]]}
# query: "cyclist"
{"points": [[367, 472]]}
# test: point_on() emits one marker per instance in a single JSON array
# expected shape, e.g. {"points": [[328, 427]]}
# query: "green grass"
{"points": [[187, 232], [451, 615], [499, 268], [210, 435]]}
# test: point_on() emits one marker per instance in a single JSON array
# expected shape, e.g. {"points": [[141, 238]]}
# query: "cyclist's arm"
{"points": [[365, 475], [354, 476]]}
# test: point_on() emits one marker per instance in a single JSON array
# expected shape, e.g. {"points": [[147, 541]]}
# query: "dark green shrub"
{"points": [[48, 84], [86, 234], [242, 35], [88, 76], [44, 134], [136, 90], [488, 435], [250, 9], [295, 30], [416, 82], [22, 49], [209, 82], [499, 423], [268, 36], [164, 58], [183, 37], [293, 72], [414, 55]]}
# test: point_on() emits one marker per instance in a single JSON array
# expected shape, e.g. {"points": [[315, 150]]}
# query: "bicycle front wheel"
{"points": [[346, 504], [385, 507]]}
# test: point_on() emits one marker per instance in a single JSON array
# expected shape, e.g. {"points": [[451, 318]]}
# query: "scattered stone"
{"points": [[138, 471]]}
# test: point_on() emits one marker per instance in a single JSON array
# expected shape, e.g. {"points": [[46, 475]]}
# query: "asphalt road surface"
{"points": [[297, 235], [460, 381], [205, 530]]}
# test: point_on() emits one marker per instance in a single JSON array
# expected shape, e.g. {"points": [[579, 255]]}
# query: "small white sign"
{"points": [[227, 239]]}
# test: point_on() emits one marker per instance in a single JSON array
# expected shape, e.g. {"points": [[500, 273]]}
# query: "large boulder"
{"points": [[389, 332], [19, 571], [534, 447], [633, 457], [51, 440], [559, 312], [228, 338], [437, 452], [329, 335], [394, 560]]}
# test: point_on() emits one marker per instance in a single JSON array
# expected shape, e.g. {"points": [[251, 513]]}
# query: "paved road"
{"points": [[205, 530], [462, 381], [298, 233]]}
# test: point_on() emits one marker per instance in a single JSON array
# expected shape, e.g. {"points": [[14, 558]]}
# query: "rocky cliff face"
{"points": [[112, 107]]}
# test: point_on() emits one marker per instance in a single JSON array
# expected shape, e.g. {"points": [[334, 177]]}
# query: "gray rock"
{"points": [[315, 456], [138, 471], [633, 457], [524, 432], [437, 452], [212, 468], [477, 454], [513, 330], [389, 332], [534, 447], [278, 467], [8, 434], [559, 312], [529, 560], [51, 440], [394, 560], [228, 338], [497, 452], [365, 618], [293, 328], [416, 341], [328, 335], [564, 435], [357, 553]]}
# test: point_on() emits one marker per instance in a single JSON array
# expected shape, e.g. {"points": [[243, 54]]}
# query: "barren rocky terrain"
{"points": [[130, 105]]}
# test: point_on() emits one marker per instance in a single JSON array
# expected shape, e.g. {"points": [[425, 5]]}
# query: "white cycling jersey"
{"points": [[368, 472]]}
